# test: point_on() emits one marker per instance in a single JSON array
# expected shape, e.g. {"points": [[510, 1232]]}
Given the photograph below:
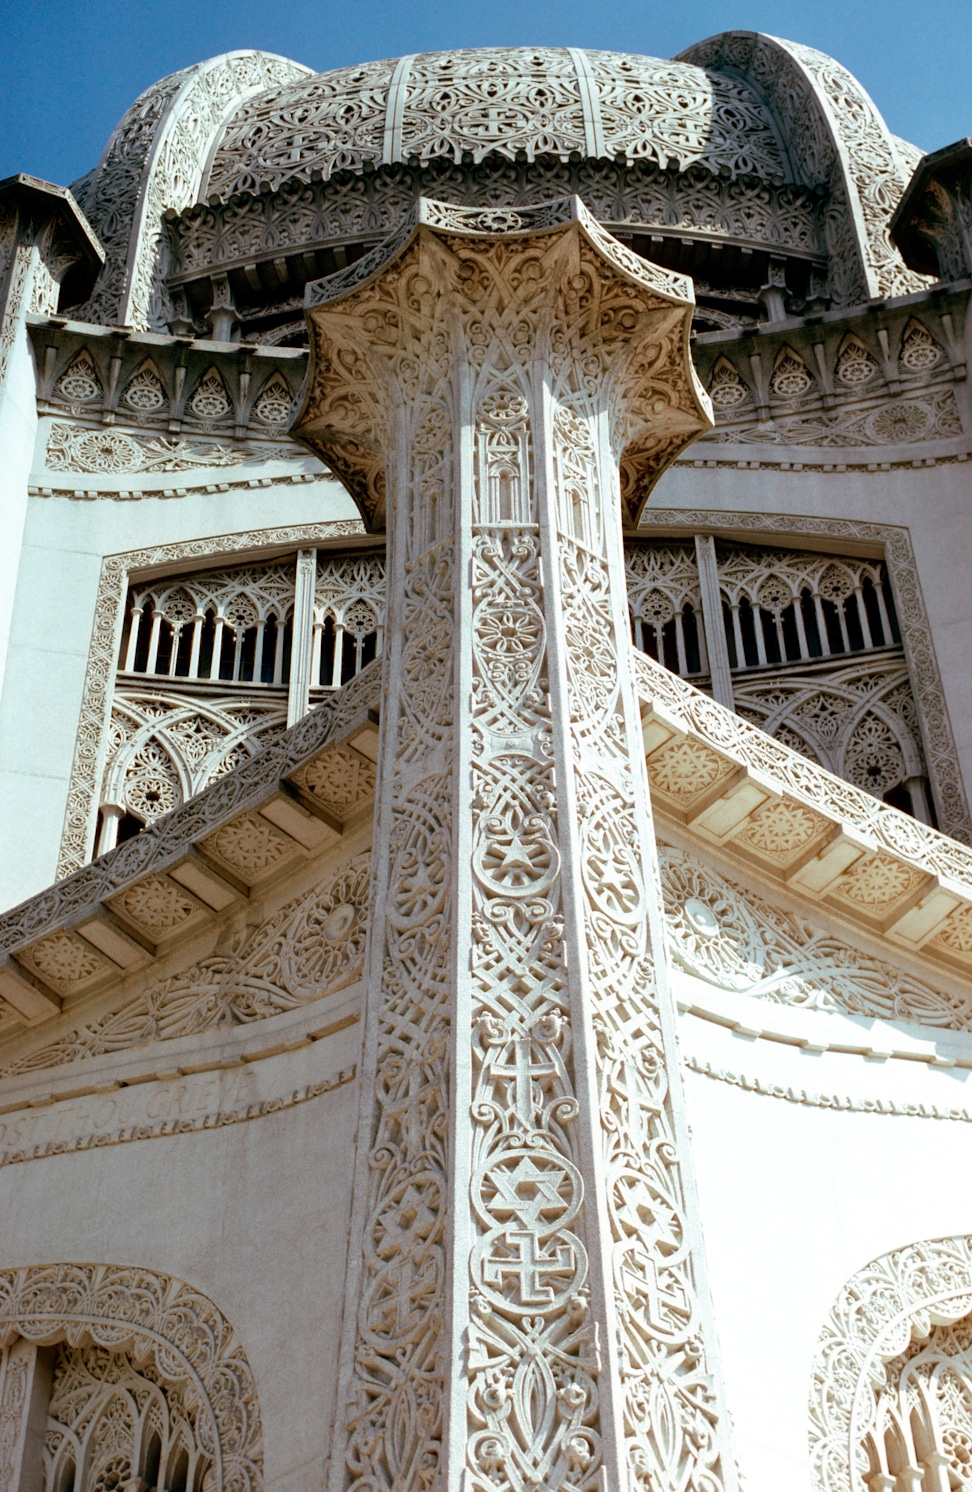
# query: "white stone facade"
{"points": [[485, 753]]}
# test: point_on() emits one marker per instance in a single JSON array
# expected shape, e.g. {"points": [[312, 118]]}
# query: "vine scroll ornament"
{"points": [[526, 1306]]}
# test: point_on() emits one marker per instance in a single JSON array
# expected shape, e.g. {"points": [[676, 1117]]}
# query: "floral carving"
{"points": [[493, 730], [250, 845], [727, 935], [168, 1324], [865, 1348]]}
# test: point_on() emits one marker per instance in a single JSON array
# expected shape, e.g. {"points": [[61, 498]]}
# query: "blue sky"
{"points": [[71, 70]]}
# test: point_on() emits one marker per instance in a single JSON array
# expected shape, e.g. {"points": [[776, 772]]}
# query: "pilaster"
{"points": [[43, 237], [525, 1303]]}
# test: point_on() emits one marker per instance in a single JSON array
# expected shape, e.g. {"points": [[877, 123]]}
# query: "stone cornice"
{"points": [[711, 771], [293, 798]]}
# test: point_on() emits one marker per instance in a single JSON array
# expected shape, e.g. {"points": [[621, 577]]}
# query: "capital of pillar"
{"points": [[526, 1301]]}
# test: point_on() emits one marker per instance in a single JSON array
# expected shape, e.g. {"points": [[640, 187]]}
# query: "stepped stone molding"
{"points": [[168, 841], [733, 738], [893, 1301], [87, 772], [310, 948], [154, 161], [484, 376], [948, 790], [835, 137], [160, 1319]]}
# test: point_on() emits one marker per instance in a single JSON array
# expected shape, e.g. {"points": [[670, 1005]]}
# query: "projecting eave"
{"points": [[717, 780]]}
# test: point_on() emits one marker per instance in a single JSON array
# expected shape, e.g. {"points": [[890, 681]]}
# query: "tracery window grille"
{"points": [[920, 1435], [112, 1426], [812, 647], [810, 641], [665, 604], [785, 606], [349, 611], [206, 670]]}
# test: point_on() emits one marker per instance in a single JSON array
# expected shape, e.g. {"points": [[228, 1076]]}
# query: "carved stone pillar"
{"points": [[25, 1392], [43, 238], [302, 636], [525, 1302]]}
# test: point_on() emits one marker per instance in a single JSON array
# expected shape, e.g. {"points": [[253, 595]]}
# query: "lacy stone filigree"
{"points": [[93, 738], [153, 162], [865, 1350], [161, 1321], [511, 834], [837, 138], [498, 100], [312, 947], [723, 933], [937, 738], [116, 1420]]}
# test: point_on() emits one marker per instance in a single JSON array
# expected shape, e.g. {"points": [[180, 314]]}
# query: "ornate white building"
{"points": [[485, 752]]}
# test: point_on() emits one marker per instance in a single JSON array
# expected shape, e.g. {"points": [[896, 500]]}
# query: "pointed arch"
{"points": [[727, 387], [145, 391], [854, 365], [210, 400], [791, 378], [893, 1301], [273, 404], [80, 383], [920, 351]]}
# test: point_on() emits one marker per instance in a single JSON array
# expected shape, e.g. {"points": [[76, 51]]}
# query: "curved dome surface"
{"points": [[516, 102], [744, 152]]}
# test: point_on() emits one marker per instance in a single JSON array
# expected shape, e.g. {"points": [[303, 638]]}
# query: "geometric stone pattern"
{"points": [[154, 162], [443, 105], [310, 948], [837, 138], [716, 731], [512, 743]]}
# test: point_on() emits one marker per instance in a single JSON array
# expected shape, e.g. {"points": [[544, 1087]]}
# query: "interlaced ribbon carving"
{"points": [[527, 1309]]}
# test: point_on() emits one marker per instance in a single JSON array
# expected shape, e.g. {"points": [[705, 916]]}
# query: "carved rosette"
{"points": [[525, 1302]]}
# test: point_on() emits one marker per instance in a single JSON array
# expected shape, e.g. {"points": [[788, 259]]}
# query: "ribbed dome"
{"points": [[749, 162], [515, 102]]}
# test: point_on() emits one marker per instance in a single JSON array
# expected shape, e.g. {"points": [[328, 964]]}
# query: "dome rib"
{"points": [[839, 139]]}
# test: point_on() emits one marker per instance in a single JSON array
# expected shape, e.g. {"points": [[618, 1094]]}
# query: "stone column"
{"points": [[302, 636], [25, 1392], [525, 1304], [716, 646]]}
